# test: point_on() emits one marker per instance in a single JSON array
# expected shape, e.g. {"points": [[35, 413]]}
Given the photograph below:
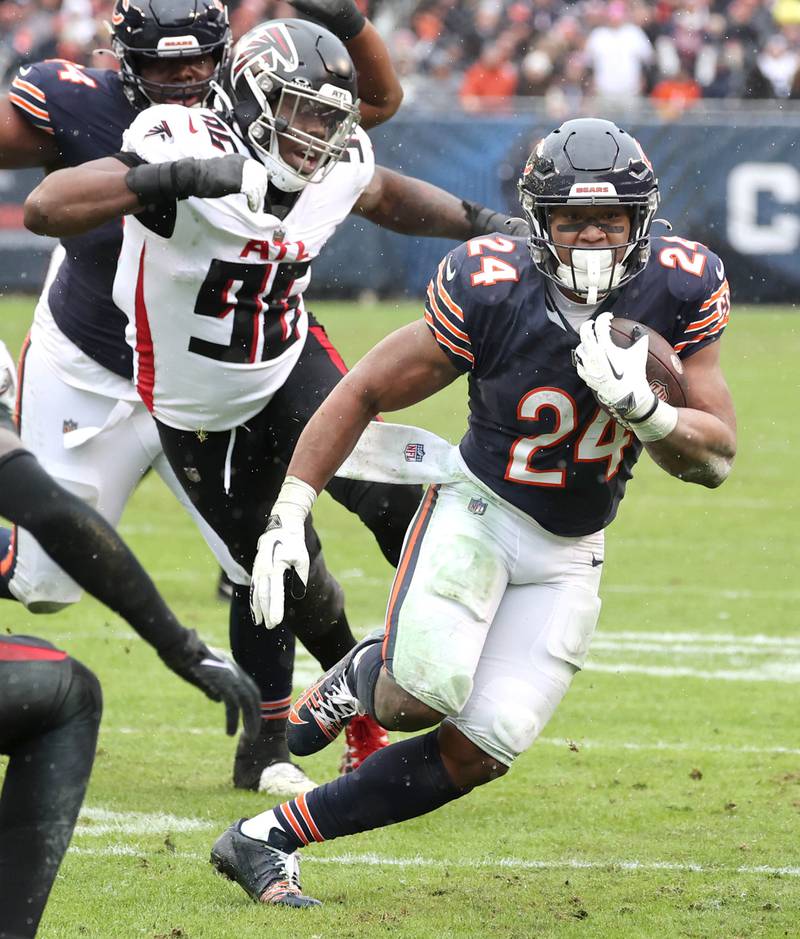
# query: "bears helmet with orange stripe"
{"points": [[588, 161], [160, 29]]}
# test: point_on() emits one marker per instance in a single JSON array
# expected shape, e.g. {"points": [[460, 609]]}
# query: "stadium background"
{"points": [[663, 798], [710, 87]]}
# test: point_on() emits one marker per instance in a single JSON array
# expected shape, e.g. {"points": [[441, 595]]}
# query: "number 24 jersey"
{"points": [[536, 434]]}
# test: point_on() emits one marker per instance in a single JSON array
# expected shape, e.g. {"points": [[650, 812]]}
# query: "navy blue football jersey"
{"points": [[536, 434], [86, 111]]}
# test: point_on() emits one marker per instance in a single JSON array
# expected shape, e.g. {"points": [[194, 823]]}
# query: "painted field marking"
{"points": [[507, 863], [95, 822]]}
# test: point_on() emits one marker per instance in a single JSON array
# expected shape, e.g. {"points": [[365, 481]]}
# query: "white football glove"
{"points": [[618, 377], [282, 547], [255, 180]]}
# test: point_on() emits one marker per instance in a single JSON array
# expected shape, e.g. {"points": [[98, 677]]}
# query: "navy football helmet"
{"points": [[588, 161], [294, 81], [159, 29]]}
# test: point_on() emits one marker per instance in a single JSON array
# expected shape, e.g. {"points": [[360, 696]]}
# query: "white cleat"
{"points": [[284, 779], [8, 384]]}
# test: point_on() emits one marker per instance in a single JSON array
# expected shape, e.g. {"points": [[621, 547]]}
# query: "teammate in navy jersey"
{"points": [[50, 704], [496, 598], [318, 619]]}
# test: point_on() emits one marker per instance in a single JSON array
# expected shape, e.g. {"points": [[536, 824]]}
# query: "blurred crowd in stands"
{"points": [[490, 53]]}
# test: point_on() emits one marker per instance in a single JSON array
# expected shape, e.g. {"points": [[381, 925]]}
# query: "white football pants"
{"points": [[104, 470], [490, 616]]}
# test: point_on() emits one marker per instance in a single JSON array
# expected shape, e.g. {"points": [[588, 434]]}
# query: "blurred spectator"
{"points": [[778, 63], [674, 94], [491, 81], [619, 52], [559, 52]]}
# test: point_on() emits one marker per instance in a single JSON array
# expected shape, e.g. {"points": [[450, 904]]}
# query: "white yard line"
{"points": [[95, 822], [505, 863], [665, 746]]}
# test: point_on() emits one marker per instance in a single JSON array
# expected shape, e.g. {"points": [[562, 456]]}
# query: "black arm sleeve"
{"points": [[160, 219], [82, 542]]}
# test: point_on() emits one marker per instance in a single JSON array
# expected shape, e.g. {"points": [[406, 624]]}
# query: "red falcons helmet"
{"points": [[161, 29], [294, 82]]}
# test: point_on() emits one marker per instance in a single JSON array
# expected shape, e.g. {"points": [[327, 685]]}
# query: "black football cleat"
{"points": [[319, 715], [265, 873]]}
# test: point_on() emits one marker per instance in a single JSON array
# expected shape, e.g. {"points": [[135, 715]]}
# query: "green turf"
{"points": [[656, 805]]}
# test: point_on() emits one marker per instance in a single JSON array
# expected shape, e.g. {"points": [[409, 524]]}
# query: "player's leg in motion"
{"points": [[488, 620], [232, 479], [103, 471], [386, 510], [50, 707]]}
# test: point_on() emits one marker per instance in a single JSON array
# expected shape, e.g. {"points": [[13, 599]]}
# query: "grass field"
{"points": [[663, 799]]}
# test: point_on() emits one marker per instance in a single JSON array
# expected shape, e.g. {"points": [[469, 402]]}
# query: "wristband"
{"points": [[296, 496], [482, 220], [658, 421], [159, 183], [348, 24]]}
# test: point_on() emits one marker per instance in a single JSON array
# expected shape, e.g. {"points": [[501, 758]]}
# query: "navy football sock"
{"points": [[402, 781]]}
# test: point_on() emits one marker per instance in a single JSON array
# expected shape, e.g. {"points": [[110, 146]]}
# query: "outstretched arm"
{"points": [[378, 85], [83, 543], [413, 207], [75, 200], [403, 369]]}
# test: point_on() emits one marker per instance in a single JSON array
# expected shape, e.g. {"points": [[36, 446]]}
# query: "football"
{"points": [[664, 368]]}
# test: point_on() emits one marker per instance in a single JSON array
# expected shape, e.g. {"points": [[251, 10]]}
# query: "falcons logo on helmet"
{"points": [[272, 46]]}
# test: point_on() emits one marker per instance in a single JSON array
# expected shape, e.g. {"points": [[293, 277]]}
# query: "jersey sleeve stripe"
{"points": [[708, 334], [442, 319], [445, 342], [40, 117], [715, 296], [30, 89], [719, 306], [445, 297]]}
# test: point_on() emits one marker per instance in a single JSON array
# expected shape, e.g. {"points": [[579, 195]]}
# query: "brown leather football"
{"points": [[664, 368]]}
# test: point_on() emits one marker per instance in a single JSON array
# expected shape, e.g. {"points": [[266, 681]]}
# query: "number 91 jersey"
{"points": [[536, 434], [212, 290]]}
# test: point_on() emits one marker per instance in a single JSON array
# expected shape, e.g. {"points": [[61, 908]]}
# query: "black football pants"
{"points": [[50, 707]]}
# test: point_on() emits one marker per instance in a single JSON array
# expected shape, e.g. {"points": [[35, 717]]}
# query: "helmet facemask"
{"points": [[590, 273], [315, 125], [169, 32], [589, 162]]}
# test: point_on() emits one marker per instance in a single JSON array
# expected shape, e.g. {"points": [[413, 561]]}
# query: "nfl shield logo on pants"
{"points": [[477, 506]]}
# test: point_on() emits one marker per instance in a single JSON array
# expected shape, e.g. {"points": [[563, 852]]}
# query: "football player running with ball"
{"points": [[227, 208], [496, 596]]}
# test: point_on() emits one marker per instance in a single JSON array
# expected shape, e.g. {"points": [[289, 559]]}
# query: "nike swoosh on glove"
{"points": [[617, 376], [219, 678], [281, 548]]}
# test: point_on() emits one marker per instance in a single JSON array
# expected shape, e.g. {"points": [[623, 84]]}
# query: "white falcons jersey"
{"points": [[215, 311]]}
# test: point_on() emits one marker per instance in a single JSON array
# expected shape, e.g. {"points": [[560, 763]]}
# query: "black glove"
{"points": [[158, 183], [483, 221], [219, 678], [341, 17]]}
